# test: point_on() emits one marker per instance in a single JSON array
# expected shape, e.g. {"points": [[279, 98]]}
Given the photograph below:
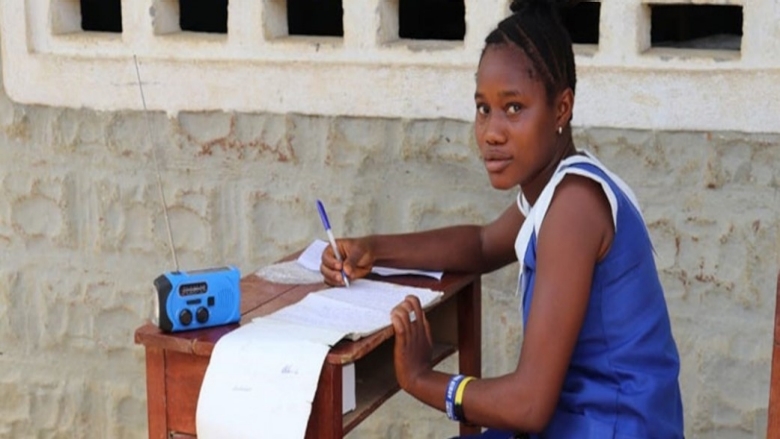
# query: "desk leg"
{"points": [[155, 393], [773, 415], [470, 336], [326, 420]]}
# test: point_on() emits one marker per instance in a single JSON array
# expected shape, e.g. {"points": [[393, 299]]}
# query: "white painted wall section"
{"points": [[370, 72]]}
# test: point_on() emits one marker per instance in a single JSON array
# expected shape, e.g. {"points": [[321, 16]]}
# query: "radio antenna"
{"points": [[156, 166]]}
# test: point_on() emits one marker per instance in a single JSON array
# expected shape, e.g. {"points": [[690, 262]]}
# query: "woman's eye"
{"points": [[513, 108], [483, 109]]}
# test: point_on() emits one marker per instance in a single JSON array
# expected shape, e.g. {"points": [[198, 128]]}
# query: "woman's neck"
{"points": [[564, 150]]}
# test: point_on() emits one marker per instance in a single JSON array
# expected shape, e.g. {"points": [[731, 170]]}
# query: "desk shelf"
{"points": [[375, 380]]}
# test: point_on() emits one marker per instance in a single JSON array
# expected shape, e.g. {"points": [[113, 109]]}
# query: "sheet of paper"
{"points": [[260, 382], [262, 377], [323, 312], [357, 311], [263, 328], [387, 271], [311, 256], [379, 296], [289, 272]]}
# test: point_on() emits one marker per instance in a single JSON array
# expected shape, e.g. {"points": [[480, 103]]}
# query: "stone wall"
{"points": [[82, 236]]}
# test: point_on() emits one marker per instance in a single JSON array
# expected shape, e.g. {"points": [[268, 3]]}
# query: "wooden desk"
{"points": [[176, 363]]}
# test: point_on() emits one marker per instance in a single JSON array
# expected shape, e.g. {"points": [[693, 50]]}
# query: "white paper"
{"points": [[289, 272], [388, 271], [322, 312], [262, 377], [356, 311], [260, 382], [379, 296], [264, 328], [348, 391], [312, 256]]}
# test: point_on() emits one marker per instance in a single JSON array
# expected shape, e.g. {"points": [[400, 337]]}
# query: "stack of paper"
{"points": [[354, 312], [262, 377]]}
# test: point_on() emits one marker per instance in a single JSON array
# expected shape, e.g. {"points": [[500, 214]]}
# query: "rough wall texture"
{"points": [[82, 236]]}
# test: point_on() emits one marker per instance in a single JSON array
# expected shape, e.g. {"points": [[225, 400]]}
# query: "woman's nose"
{"points": [[495, 130]]}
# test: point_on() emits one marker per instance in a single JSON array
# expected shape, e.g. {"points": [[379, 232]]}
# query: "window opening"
{"points": [[582, 22], [203, 16], [432, 19], [101, 16], [315, 18], [712, 27]]}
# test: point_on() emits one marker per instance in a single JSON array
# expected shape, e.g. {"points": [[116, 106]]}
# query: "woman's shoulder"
{"points": [[586, 164]]}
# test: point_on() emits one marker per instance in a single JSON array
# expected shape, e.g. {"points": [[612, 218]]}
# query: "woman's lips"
{"points": [[496, 164]]}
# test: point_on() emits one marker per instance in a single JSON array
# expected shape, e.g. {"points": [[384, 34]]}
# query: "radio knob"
{"points": [[202, 315], [185, 317]]}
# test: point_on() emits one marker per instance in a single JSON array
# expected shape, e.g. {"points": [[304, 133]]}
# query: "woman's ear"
{"points": [[564, 106]]}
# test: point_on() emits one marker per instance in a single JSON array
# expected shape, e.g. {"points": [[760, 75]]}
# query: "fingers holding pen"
{"points": [[358, 262], [357, 258], [331, 267]]}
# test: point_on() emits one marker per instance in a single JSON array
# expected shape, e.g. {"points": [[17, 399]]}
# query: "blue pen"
{"points": [[326, 224]]}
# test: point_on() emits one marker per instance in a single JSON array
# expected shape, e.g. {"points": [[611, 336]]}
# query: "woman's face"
{"points": [[515, 123]]}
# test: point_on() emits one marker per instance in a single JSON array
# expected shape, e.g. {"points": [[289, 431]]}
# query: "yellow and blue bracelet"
{"points": [[458, 408], [453, 398], [449, 396]]}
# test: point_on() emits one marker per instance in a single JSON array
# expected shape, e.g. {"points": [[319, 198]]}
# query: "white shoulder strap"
{"points": [[536, 213]]}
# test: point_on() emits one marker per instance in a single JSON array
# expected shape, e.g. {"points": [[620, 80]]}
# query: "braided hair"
{"points": [[535, 26]]}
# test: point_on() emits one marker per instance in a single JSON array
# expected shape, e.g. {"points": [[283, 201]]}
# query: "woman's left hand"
{"points": [[413, 343]]}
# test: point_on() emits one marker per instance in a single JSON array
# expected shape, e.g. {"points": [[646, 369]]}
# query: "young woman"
{"points": [[598, 359]]}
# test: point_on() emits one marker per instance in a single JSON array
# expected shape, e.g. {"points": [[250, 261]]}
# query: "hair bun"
{"points": [[555, 5]]}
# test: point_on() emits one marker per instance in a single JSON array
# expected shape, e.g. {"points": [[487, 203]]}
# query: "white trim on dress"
{"points": [[534, 215]]}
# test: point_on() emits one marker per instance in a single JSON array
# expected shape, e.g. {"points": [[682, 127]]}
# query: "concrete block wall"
{"points": [[624, 81]]}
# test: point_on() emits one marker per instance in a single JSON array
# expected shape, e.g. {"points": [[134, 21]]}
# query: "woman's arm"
{"points": [[468, 248], [576, 233]]}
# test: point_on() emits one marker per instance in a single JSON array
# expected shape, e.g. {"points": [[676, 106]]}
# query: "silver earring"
{"points": [[560, 130]]}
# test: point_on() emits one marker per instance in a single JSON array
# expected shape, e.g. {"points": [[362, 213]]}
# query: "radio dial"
{"points": [[185, 317], [202, 315]]}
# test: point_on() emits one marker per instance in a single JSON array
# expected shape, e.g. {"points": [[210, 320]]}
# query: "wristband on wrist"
{"points": [[458, 406], [449, 396]]}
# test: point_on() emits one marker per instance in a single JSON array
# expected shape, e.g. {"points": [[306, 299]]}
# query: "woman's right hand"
{"points": [[358, 260]]}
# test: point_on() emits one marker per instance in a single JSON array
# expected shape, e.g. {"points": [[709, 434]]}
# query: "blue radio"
{"points": [[197, 299]]}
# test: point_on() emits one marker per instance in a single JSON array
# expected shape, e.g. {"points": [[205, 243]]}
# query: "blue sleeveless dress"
{"points": [[622, 382]]}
